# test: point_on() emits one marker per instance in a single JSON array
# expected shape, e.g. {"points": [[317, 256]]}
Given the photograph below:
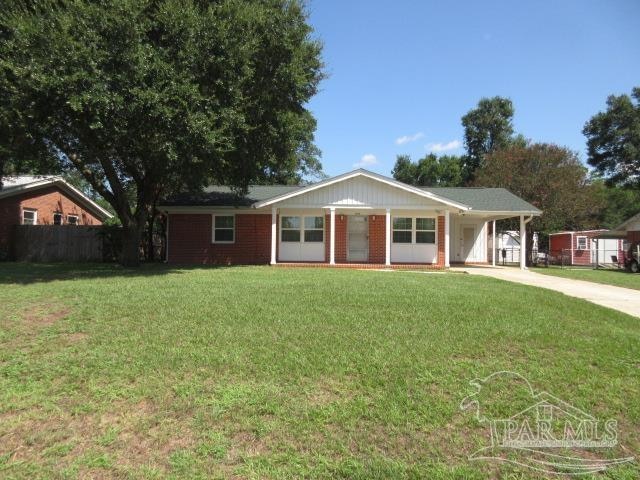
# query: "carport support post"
{"points": [[523, 243], [332, 238], [493, 243], [387, 238], [274, 233]]}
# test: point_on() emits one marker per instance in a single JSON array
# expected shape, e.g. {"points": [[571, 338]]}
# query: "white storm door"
{"points": [[358, 238]]}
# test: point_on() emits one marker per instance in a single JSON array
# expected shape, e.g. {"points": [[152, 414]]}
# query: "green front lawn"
{"points": [[258, 372], [618, 278]]}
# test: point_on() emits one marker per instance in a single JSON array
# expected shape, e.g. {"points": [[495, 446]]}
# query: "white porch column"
{"points": [[274, 233], [523, 243], [332, 238], [493, 241], [447, 221], [387, 238]]}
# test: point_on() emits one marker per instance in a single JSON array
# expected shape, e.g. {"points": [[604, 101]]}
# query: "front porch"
{"points": [[380, 238], [384, 238], [364, 218]]}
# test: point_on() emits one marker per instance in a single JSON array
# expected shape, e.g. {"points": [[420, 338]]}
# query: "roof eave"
{"points": [[512, 213]]}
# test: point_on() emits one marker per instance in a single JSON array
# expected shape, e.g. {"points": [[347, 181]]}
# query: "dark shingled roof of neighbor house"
{"points": [[221, 196], [478, 198]]}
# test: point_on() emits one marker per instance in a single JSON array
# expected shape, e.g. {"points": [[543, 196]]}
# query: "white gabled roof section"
{"points": [[22, 184], [361, 173]]}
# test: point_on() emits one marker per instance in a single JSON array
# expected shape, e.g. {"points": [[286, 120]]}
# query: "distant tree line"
{"points": [[549, 176]]}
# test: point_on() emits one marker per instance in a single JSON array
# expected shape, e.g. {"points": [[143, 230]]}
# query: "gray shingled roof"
{"points": [[221, 196], [484, 199]]}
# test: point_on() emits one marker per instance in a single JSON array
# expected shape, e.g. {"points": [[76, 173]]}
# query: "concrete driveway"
{"points": [[622, 299]]}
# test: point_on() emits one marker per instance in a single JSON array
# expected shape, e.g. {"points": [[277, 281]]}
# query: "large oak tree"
{"points": [[144, 97]]}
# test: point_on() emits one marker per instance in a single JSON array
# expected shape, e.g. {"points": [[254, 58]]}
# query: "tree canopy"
{"points": [[549, 177], [618, 203], [147, 97], [613, 140], [429, 171], [487, 128]]}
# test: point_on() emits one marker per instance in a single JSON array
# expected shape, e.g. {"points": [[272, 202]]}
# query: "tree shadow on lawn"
{"points": [[29, 273]]}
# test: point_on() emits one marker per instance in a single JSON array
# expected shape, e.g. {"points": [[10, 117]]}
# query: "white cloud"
{"points": [[366, 161], [444, 147], [409, 138]]}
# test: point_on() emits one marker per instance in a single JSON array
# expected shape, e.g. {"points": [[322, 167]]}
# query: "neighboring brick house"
{"points": [[40, 200], [359, 218]]}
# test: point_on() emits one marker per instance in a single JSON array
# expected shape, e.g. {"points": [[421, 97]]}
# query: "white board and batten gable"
{"points": [[360, 192], [361, 189]]}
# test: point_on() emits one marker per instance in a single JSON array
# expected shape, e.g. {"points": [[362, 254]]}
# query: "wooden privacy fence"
{"points": [[61, 243]]}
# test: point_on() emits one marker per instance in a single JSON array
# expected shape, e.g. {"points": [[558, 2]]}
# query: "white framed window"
{"points": [[57, 218], [302, 229], [72, 220], [416, 230], [314, 229], [290, 229], [402, 228], [29, 216], [425, 230], [582, 243], [224, 228]]}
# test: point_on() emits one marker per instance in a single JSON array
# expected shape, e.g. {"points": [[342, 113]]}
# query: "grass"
{"points": [[618, 278], [258, 372]]}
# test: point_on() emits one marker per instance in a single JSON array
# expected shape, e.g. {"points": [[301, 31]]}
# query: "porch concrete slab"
{"points": [[624, 300]]}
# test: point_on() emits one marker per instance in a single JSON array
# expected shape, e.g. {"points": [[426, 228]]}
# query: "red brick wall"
{"points": [[377, 238], [190, 240], [633, 236], [341, 238], [46, 201], [440, 232]]}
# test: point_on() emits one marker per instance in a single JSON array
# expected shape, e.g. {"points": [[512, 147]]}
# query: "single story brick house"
{"points": [[359, 217], [44, 200]]}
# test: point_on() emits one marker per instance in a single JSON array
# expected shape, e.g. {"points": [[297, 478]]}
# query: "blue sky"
{"points": [[402, 73]]}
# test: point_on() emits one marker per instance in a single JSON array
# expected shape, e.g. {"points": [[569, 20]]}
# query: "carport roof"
{"points": [[484, 198]]}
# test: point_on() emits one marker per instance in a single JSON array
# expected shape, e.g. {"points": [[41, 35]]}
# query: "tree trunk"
{"points": [[131, 237], [150, 248], [529, 252]]}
